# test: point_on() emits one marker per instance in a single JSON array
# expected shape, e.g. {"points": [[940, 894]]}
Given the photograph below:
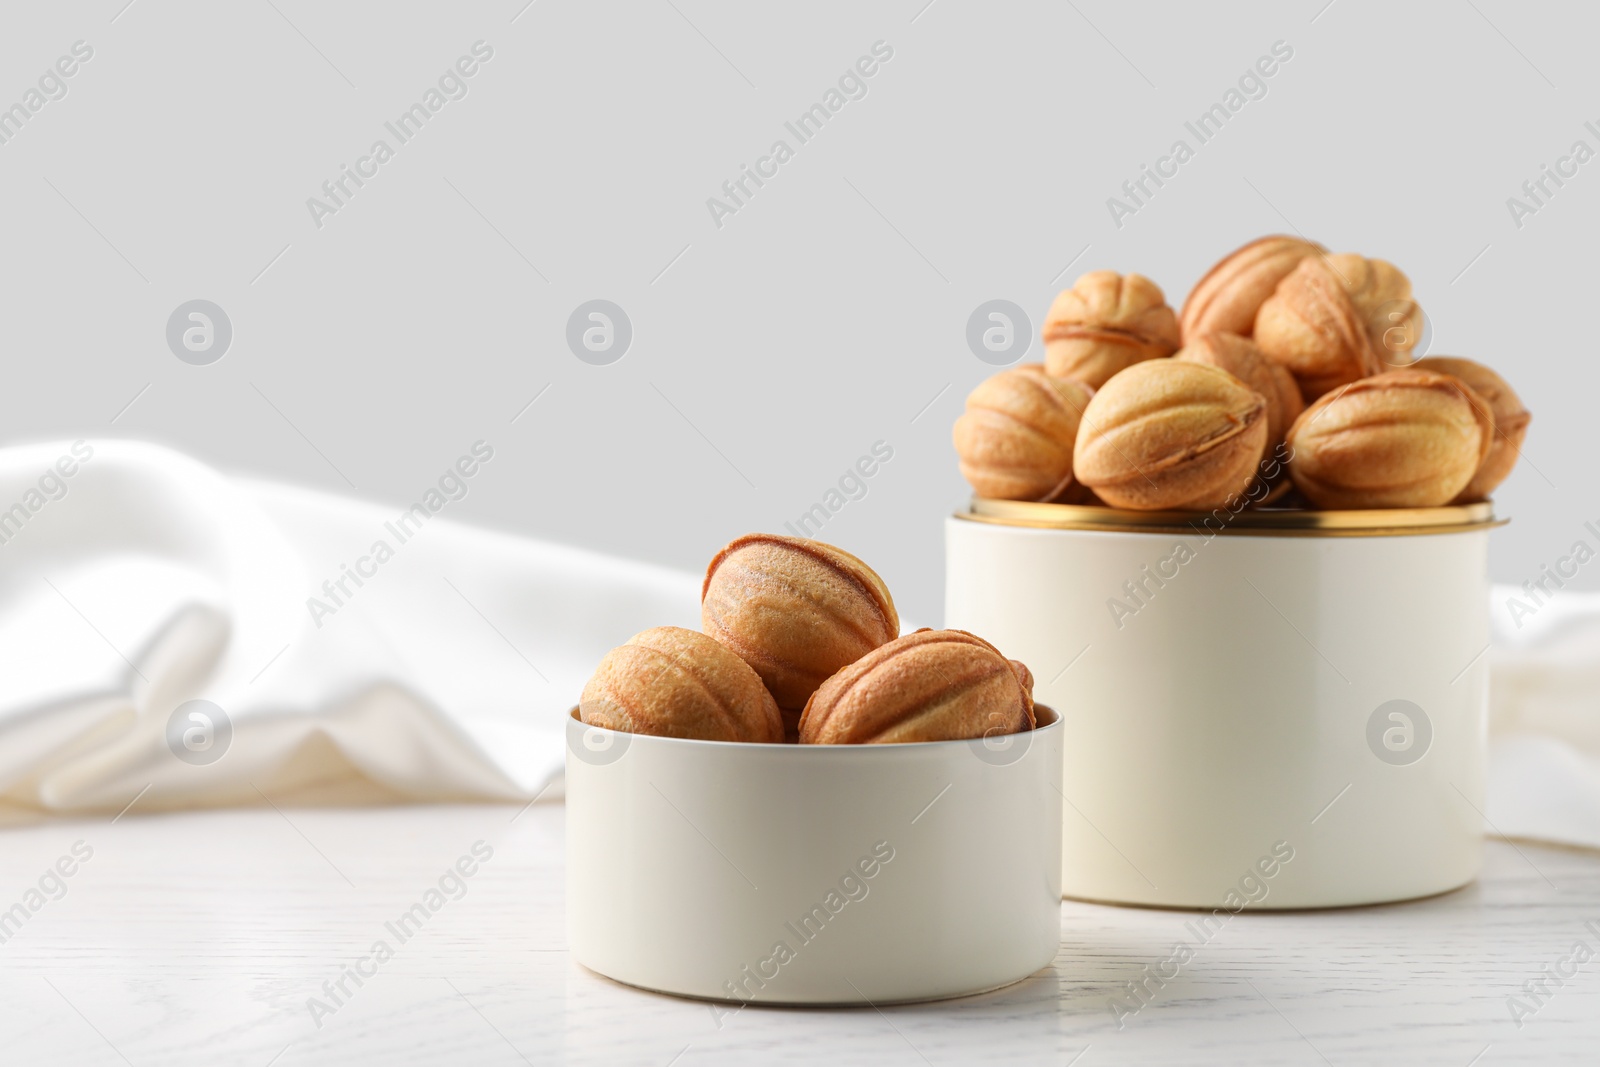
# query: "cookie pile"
{"points": [[1288, 378], [801, 643]]}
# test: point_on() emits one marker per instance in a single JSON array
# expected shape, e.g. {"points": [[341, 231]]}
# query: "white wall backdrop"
{"points": [[373, 340]]}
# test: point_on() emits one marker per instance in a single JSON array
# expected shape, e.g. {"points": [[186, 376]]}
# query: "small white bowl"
{"points": [[814, 874]]}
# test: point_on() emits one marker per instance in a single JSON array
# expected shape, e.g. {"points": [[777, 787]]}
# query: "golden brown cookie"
{"points": [[795, 610], [1403, 439], [1171, 434], [1381, 294], [932, 685], [673, 682], [1105, 323], [1015, 439], [1511, 420]]}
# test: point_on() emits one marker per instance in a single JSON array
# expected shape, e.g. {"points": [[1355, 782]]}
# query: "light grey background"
{"points": [[829, 313]]}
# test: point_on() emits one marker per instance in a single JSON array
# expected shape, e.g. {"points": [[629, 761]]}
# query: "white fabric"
{"points": [[1544, 717], [144, 579], [155, 580]]}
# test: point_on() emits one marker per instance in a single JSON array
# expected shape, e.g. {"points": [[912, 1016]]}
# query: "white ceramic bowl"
{"points": [[814, 874], [1288, 713]]}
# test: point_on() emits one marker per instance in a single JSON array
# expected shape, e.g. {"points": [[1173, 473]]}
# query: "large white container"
{"points": [[1267, 710], [814, 874]]}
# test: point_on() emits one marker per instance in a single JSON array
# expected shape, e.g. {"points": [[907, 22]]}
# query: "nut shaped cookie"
{"points": [[1016, 437], [795, 610], [931, 685], [1171, 434], [1105, 323], [1402, 439], [1511, 420], [673, 682], [1310, 326], [1381, 294]]}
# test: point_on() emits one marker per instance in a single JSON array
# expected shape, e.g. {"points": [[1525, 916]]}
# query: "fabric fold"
{"points": [[143, 581]]}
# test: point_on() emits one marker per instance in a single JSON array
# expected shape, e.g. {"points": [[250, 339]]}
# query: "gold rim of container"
{"points": [[1259, 522]]}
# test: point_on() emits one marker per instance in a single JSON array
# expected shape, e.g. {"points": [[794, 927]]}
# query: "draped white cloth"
{"points": [[1544, 718], [438, 661], [143, 580]]}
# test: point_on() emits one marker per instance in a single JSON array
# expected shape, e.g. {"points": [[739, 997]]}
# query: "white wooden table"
{"points": [[198, 939]]}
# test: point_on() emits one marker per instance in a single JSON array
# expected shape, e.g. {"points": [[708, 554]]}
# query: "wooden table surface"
{"points": [[208, 938]]}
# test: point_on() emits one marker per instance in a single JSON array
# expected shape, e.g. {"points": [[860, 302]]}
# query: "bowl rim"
{"points": [[895, 746], [1264, 522]]}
